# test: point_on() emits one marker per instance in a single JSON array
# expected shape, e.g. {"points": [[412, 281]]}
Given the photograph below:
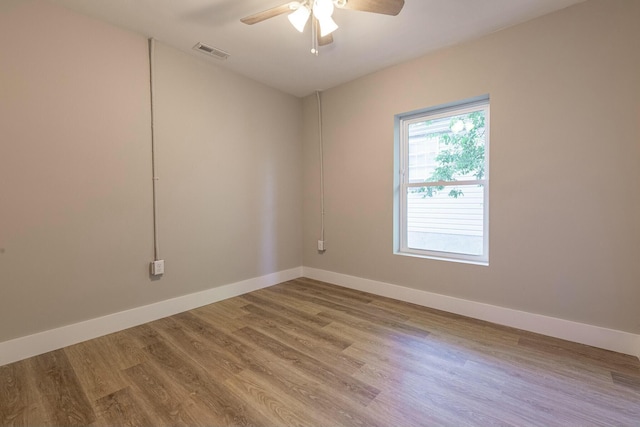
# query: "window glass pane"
{"points": [[450, 148], [446, 219]]}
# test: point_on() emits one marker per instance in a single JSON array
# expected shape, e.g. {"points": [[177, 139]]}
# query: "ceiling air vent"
{"points": [[211, 51]]}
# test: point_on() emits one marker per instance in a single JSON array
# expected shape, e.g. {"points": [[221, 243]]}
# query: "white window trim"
{"points": [[401, 183]]}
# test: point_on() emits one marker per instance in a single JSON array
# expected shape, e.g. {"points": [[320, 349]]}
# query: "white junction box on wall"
{"points": [[157, 267]]}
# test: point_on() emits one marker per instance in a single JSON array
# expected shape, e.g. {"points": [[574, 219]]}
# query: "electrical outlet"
{"points": [[157, 267], [321, 245]]}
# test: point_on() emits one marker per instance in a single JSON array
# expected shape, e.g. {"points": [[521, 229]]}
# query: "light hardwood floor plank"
{"points": [[293, 314], [162, 399], [14, 394], [312, 348], [338, 381], [61, 391], [121, 408], [92, 363], [224, 407], [215, 359], [313, 333]]}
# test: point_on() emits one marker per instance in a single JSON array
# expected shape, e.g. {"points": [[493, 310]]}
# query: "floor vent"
{"points": [[211, 51]]}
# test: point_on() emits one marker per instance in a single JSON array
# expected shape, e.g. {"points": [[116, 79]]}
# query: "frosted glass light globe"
{"points": [[322, 9]]}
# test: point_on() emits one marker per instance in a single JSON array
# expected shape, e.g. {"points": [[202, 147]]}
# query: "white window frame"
{"points": [[402, 184]]}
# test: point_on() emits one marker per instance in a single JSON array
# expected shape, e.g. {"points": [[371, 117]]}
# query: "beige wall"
{"points": [[230, 174], [75, 172], [565, 147], [75, 168]]}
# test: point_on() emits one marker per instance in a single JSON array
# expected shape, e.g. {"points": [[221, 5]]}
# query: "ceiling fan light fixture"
{"points": [[300, 17], [327, 26], [322, 9], [299, 12]]}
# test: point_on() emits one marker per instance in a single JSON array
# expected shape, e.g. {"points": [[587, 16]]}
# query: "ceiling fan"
{"points": [[320, 12]]}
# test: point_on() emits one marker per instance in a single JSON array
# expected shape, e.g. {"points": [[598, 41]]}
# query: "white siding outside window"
{"points": [[442, 192]]}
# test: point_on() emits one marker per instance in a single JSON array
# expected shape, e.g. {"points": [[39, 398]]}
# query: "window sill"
{"points": [[443, 258]]}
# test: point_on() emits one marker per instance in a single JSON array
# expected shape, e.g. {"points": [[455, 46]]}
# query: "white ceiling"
{"points": [[274, 53]]}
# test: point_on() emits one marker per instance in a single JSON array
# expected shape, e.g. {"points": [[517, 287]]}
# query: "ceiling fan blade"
{"points": [[386, 7], [270, 13]]}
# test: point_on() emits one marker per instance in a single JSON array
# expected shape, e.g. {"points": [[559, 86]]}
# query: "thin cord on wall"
{"points": [[321, 165], [156, 246]]}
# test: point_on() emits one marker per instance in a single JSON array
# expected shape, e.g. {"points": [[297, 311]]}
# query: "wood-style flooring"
{"points": [[307, 353]]}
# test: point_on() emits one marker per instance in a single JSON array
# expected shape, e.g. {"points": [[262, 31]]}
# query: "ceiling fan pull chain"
{"points": [[314, 37]]}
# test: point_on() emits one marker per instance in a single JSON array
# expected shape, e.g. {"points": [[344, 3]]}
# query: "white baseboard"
{"points": [[610, 339], [42, 342], [53, 339]]}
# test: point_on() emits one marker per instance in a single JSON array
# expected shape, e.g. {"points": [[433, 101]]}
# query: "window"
{"points": [[442, 182]]}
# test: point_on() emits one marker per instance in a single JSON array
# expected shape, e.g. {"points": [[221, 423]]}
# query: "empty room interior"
{"points": [[407, 213]]}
